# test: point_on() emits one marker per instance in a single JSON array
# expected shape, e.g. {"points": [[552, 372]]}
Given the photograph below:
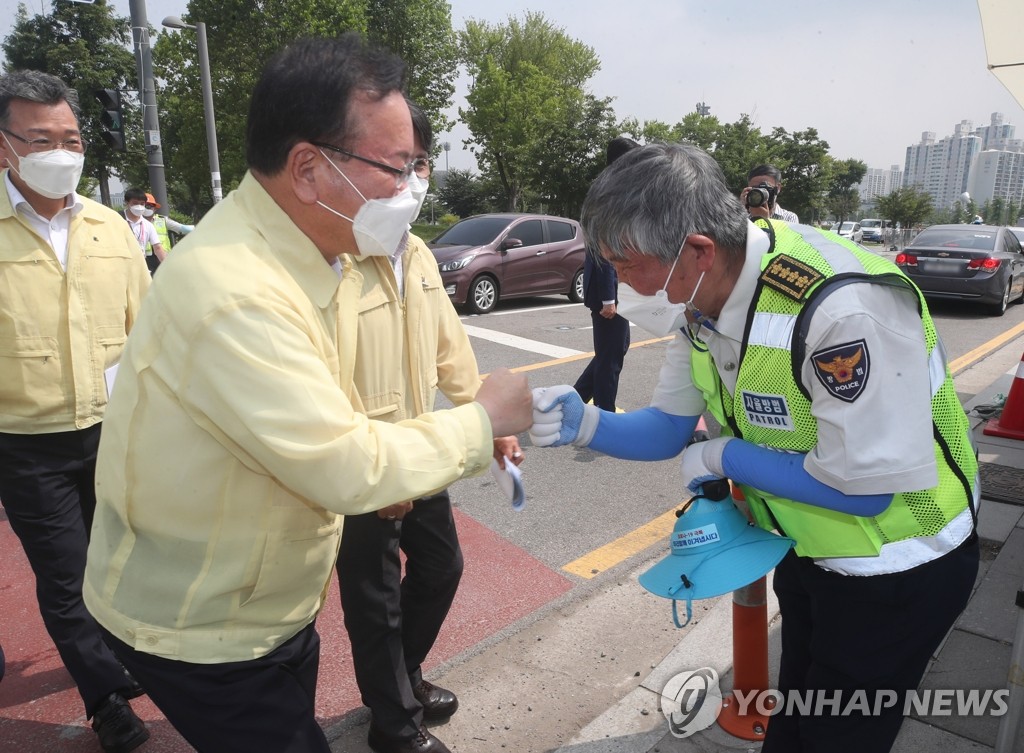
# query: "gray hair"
{"points": [[650, 199], [34, 86]]}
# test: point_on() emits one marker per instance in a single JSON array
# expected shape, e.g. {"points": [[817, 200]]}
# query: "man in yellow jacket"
{"points": [[71, 282], [236, 436], [410, 345]]}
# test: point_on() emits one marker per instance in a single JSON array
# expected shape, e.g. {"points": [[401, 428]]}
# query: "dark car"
{"points": [[981, 263], [492, 257]]}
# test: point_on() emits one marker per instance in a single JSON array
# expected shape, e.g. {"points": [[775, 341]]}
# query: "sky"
{"points": [[869, 76]]}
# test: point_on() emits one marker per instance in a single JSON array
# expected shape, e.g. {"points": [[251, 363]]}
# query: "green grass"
{"points": [[426, 231]]}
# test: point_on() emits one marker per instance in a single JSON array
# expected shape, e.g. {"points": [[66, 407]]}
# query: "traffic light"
{"points": [[112, 118]]}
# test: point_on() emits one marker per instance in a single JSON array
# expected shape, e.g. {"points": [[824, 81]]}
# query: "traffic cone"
{"points": [[1010, 423], [749, 659]]}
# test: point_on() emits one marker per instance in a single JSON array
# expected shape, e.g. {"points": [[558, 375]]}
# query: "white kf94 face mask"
{"points": [[53, 174], [418, 188], [380, 224], [655, 313]]}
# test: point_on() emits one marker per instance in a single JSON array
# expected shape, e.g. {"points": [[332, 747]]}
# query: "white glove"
{"points": [[703, 462], [561, 417]]}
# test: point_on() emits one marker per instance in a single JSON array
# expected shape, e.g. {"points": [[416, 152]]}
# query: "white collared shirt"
{"points": [[145, 233], [54, 231]]}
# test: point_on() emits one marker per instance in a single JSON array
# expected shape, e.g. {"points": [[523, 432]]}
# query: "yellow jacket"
{"points": [[408, 350], [234, 438], [60, 330]]}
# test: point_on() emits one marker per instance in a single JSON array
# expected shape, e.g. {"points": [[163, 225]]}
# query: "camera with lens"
{"points": [[761, 194]]}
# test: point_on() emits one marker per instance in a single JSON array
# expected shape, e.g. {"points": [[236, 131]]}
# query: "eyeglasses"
{"points": [[74, 144], [402, 174], [421, 166]]}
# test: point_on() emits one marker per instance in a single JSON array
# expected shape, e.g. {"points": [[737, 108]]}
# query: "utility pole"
{"points": [[147, 97]]}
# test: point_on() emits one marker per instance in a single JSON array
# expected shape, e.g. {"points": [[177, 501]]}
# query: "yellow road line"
{"points": [[968, 359], [608, 556]]}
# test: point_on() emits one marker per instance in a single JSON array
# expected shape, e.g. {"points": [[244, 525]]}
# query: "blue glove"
{"points": [[703, 462], [560, 417]]}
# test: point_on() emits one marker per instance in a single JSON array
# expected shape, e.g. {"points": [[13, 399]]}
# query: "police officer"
{"points": [[839, 418]]}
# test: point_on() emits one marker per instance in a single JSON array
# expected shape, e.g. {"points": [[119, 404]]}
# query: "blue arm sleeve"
{"points": [[782, 473], [646, 434]]}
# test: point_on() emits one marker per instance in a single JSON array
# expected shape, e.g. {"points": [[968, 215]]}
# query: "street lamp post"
{"points": [[174, 22], [147, 98]]}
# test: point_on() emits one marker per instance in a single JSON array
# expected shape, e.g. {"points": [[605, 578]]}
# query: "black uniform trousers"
{"points": [[848, 633], [393, 622], [600, 380], [266, 704], [46, 487]]}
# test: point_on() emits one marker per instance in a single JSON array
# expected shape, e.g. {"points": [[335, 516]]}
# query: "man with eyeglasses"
{"points": [[208, 570], [840, 422], [411, 345], [71, 282]]}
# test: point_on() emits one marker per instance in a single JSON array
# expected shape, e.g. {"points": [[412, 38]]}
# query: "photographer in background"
{"points": [[764, 201]]}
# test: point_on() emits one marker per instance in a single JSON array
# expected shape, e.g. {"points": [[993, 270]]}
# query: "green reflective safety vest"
{"points": [[160, 223], [799, 269]]}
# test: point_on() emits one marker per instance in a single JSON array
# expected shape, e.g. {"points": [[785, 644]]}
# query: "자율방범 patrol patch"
{"points": [[767, 411], [843, 369], [790, 277]]}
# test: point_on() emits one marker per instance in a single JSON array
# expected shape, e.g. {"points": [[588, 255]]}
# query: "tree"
{"points": [[527, 86], [695, 128], [571, 151], [906, 206], [463, 193], [740, 147], [244, 34], [87, 47], [421, 34], [806, 170], [997, 212], [843, 198]]}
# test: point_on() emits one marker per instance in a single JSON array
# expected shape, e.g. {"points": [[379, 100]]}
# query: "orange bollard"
{"points": [[749, 659], [1010, 423]]}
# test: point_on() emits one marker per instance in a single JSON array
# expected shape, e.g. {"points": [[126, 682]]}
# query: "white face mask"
{"points": [[53, 174], [149, 212], [379, 224], [655, 313], [137, 209], [418, 188]]}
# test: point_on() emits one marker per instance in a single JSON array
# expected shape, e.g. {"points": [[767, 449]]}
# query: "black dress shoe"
{"points": [[118, 728], [437, 703], [424, 742]]}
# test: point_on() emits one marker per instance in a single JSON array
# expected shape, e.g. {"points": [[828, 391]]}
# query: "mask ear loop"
{"points": [[673, 267], [10, 147], [338, 169]]}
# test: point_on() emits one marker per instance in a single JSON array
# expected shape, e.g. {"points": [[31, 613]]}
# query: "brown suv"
{"points": [[491, 257]]}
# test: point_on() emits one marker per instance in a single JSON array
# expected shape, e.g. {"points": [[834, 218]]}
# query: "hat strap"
{"points": [[689, 612]]}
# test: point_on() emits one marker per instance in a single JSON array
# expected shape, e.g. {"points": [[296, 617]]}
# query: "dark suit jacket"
{"points": [[600, 282]]}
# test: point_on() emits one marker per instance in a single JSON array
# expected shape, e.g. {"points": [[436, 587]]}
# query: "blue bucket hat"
{"points": [[714, 550]]}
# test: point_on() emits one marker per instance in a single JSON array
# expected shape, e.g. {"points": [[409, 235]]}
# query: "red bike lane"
{"points": [[40, 710]]}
